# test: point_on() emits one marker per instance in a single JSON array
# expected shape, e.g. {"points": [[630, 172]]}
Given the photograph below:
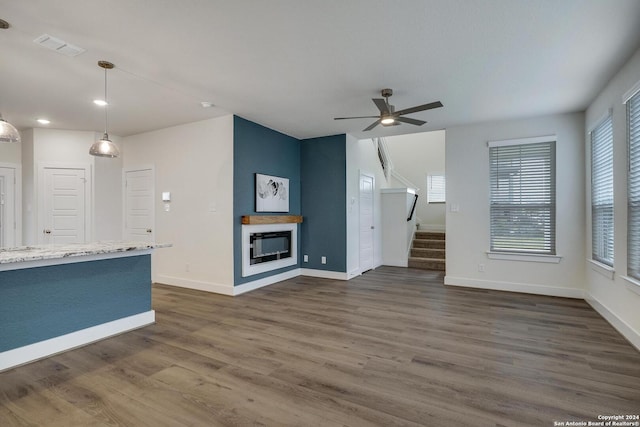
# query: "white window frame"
{"points": [[631, 100], [529, 254], [436, 188], [602, 197]]}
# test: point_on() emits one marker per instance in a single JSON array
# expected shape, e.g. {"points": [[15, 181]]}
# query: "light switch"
{"points": [[166, 196]]}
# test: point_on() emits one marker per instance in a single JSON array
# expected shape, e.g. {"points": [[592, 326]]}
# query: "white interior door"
{"points": [[366, 222], [7, 207], [64, 206], [139, 209]]}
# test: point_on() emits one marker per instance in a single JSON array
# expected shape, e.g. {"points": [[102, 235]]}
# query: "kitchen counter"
{"points": [[36, 256], [57, 297]]}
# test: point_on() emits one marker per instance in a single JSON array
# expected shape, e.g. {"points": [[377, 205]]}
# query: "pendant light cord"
{"points": [[106, 101]]}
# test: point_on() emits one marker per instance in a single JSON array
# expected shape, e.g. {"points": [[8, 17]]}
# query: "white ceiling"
{"points": [[293, 65]]}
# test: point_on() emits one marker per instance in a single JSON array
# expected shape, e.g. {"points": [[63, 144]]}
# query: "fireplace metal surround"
{"points": [[267, 247]]}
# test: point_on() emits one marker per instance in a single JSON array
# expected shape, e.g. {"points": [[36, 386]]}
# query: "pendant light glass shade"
{"points": [[104, 147], [8, 133]]}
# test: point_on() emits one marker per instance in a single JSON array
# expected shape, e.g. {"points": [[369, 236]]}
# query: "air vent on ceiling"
{"points": [[58, 45]]}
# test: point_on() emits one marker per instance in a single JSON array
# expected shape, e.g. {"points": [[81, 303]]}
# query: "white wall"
{"points": [[64, 147], [397, 232], [414, 156], [11, 153], [615, 298], [195, 163], [467, 166], [362, 157]]}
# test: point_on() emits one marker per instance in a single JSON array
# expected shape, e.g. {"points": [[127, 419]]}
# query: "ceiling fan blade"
{"points": [[372, 125], [410, 121], [381, 104], [361, 117], [423, 107]]}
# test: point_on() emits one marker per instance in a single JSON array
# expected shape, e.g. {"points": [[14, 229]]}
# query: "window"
{"points": [[523, 199], [602, 192], [633, 189], [435, 188]]}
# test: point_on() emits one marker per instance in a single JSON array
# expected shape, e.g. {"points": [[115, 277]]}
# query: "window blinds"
{"points": [[523, 201], [633, 217], [602, 192], [435, 189]]}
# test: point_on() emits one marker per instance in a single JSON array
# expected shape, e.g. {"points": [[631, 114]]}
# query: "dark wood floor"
{"points": [[392, 347]]}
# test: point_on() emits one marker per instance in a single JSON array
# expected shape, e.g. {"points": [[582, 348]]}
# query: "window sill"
{"points": [[601, 268], [632, 284], [506, 256]]}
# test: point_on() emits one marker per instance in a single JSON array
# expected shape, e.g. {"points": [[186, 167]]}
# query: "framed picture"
{"points": [[272, 193]]}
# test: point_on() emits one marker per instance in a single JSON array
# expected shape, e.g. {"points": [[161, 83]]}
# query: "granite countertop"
{"points": [[42, 252]]}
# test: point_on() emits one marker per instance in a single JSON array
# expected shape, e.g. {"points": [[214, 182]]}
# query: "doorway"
{"points": [[367, 186], [8, 207], [139, 212], [65, 203]]}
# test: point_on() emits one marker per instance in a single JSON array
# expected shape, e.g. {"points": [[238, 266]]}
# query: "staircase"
{"points": [[427, 251]]}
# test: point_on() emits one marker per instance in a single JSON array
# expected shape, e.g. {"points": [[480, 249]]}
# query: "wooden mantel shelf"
{"points": [[271, 219]]}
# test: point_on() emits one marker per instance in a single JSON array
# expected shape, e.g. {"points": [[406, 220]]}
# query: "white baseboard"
{"points": [[198, 285], [324, 274], [354, 273], [32, 352], [250, 286], [256, 284], [397, 263], [527, 288], [620, 325]]}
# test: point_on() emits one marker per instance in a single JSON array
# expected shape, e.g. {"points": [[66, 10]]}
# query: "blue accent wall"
{"points": [[45, 302], [258, 149], [324, 202]]}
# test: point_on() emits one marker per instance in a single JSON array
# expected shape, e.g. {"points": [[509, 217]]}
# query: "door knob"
{"points": [[46, 231], [148, 230]]}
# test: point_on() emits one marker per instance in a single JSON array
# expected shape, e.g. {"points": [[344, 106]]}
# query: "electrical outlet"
{"points": [[306, 258], [481, 268], [323, 260]]}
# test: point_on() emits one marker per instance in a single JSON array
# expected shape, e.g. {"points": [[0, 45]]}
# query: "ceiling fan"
{"points": [[389, 117]]}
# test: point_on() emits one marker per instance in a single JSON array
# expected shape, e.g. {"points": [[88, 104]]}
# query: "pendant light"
{"points": [[8, 133], [104, 147]]}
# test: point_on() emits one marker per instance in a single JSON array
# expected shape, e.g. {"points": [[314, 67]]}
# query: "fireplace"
{"points": [[267, 247]]}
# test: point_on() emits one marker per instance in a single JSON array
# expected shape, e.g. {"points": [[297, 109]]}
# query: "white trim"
{"points": [[218, 288], [526, 257], [32, 352], [39, 197], [620, 325], [72, 259], [600, 120], [631, 92], [527, 288], [324, 274], [249, 269], [398, 190], [601, 268], [123, 189], [353, 273], [17, 200], [260, 283], [632, 284], [522, 141]]}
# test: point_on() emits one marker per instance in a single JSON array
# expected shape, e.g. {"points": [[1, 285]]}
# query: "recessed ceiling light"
{"points": [[206, 104], [100, 102], [43, 121]]}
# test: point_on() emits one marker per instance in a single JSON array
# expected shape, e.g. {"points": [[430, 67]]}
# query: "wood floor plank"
{"points": [[392, 347]]}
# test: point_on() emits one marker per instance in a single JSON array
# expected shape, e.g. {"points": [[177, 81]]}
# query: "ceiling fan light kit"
{"points": [[389, 116], [104, 147]]}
